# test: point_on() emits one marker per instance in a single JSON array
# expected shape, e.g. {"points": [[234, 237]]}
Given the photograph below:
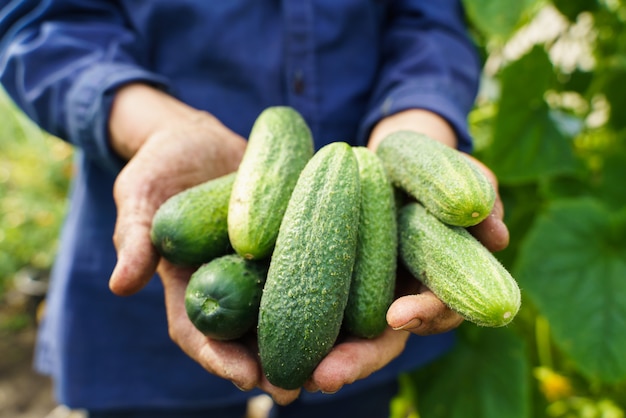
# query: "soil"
{"points": [[23, 392]]}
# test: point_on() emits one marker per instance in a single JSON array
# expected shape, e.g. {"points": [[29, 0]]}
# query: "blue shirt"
{"points": [[343, 64]]}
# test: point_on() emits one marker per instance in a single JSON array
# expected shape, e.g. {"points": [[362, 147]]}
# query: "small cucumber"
{"points": [[279, 146], [308, 281], [223, 296], [457, 268], [373, 278], [190, 228], [449, 185]]}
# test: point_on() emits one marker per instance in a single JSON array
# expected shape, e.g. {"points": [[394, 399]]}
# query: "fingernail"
{"points": [[413, 323], [239, 387], [329, 393]]}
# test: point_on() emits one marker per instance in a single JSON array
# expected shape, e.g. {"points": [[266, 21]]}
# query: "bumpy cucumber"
{"points": [[439, 177], [279, 146], [223, 296], [190, 228], [309, 276], [373, 278], [457, 268]]}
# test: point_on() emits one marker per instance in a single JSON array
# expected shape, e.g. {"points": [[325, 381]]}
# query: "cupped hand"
{"points": [[236, 360], [171, 147], [419, 311], [170, 160], [354, 358], [416, 308]]}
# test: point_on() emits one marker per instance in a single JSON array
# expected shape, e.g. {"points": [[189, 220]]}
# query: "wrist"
{"points": [[138, 111], [419, 120]]}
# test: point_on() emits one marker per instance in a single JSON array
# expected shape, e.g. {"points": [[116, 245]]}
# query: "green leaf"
{"points": [[609, 183], [521, 206], [572, 8], [485, 375], [572, 265], [528, 142], [497, 19], [613, 87]]}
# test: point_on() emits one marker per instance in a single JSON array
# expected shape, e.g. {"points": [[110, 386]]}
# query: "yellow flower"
{"points": [[553, 385]]}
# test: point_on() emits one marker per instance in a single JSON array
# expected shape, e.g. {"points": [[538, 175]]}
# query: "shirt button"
{"points": [[298, 82]]}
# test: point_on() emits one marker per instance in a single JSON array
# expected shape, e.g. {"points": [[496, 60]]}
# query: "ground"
{"points": [[23, 392]]}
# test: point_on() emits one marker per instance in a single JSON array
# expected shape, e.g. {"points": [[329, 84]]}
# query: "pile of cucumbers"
{"points": [[299, 245]]}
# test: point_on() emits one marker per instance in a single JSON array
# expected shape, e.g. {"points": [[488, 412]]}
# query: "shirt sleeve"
{"points": [[428, 62], [60, 62]]}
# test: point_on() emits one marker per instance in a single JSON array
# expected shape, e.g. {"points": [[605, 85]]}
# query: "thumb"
{"points": [[137, 258]]}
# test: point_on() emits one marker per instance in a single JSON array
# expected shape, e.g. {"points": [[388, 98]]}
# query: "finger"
{"points": [[356, 359], [136, 256], [230, 360], [279, 396], [491, 232], [422, 314]]}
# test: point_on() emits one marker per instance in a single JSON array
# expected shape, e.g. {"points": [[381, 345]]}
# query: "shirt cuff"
{"points": [[88, 105], [433, 95]]}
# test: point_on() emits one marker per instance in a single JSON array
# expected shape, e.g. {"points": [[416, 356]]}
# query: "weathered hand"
{"points": [[182, 147], [235, 360], [416, 308], [419, 311], [169, 161], [356, 358]]}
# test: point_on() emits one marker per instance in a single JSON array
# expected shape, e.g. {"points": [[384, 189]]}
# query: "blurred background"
{"points": [[549, 120]]}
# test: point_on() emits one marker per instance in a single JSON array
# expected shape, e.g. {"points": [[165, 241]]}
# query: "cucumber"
{"points": [[374, 274], [190, 228], [457, 268], [223, 296], [308, 281], [439, 177], [279, 146]]}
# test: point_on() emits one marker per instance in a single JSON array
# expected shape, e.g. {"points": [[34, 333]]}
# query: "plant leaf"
{"points": [[572, 265], [528, 142], [496, 19], [485, 375]]}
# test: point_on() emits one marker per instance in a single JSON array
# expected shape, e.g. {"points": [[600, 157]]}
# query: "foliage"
{"points": [[34, 175], [549, 123]]}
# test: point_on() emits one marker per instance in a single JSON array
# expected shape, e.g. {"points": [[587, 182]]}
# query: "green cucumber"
{"points": [[439, 177], [190, 228], [373, 278], [457, 268], [223, 296], [308, 281], [279, 146]]}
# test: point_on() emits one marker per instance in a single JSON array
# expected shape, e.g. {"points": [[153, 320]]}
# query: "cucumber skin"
{"points": [[235, 285], [457, 268], [374, 274], [279, 146], [308, 281], [439, 177], [190, 228]]}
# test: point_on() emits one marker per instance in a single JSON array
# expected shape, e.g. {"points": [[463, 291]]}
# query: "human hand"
{"points": [[234, 360], [171, 147], [416, 308], [353, 358]]}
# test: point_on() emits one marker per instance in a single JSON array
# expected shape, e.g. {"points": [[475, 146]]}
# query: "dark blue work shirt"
{"points": [[344, 64]]}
